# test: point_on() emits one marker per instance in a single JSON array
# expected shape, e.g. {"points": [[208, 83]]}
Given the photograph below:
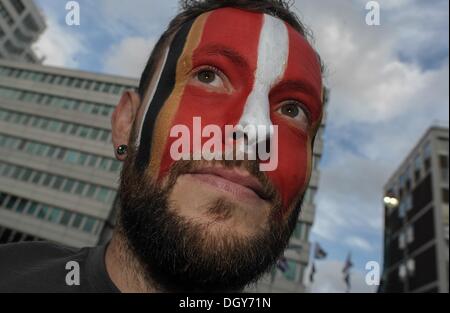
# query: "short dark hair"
{"points": [[191, 9]]}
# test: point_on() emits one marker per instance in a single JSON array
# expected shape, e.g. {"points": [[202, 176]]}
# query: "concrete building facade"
{"points": [[416, 231], [58, 174], [21, 24]]}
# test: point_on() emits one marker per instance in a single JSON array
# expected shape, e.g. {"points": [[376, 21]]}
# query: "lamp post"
{"points": [[391, 202]]}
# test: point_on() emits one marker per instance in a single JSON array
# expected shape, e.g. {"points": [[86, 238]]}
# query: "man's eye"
{"points": [[206, 76], [290, 109], [211, 77], [294, 110]]}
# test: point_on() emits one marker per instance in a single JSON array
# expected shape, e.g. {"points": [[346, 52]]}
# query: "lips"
{"points": [[236, 181]]}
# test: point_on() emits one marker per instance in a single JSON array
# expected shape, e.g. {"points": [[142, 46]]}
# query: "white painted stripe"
{"points": [[273, 53], [153, 91]]}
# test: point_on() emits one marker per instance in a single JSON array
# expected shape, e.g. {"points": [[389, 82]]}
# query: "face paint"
{"points": [[261, 63]]}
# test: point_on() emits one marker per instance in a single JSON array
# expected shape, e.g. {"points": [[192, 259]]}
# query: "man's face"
{"points": [[227, 67]]}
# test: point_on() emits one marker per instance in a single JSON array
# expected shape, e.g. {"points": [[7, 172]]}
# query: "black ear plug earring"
{"points": [[122, 149]]}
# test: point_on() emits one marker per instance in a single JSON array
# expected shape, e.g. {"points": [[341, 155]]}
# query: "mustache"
{"points": [[268, 192]]}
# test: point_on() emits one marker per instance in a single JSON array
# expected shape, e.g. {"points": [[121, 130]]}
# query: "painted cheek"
{"points": [[294, 158], [294, 145], [213, 109]]}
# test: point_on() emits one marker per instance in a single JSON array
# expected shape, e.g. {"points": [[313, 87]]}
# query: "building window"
{"points": [[408, 202], [5, 15], [298, 230], [410, 234], [30, 23], [77, 220], [42, 213], [91, 191], [103, 194], [69, 185], [443, 168], [417, 168], [290, 271], [54, 215], [65, 219], [444, 195], [411, 267], [12, 48], [58, 183], [71, 157], [18, 6], [401, 241], [47, 180], [402, 271], [21, 206], [32, 208], [88, 224], [80, 188], [402, 209], [427, 156], [115, 166], [36, 178]]}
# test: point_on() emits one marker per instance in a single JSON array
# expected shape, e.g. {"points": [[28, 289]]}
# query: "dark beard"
{"points": [[178, 255]]}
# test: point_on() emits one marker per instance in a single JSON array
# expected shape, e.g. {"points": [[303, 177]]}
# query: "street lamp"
{"points": [[390, 201]]}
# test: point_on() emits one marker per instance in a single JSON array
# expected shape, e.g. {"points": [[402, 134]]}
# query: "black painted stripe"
{"points": [[164, 89]]}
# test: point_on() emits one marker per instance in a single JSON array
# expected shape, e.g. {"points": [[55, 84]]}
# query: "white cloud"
{"points": [[58, 45], [129, 57], [359, 242], [379, 108]]}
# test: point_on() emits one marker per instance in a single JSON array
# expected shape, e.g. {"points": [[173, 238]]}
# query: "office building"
{"points": [[21, 24], [416, 223], [58, 174]]}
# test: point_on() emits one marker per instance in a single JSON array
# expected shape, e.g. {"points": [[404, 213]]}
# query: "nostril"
{"points": [[238, 134]]}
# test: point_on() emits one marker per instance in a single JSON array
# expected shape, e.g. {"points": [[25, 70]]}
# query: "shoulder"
{"points": [[31, 266], [41, 249]]}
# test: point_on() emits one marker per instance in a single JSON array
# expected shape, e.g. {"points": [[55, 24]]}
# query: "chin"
{"points": [[217, 209]]}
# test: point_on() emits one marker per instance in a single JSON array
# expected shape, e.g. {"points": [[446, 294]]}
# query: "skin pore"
{"points": [[209, 212]]}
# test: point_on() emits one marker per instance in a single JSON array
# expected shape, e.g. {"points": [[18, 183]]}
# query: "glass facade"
{"points": [[45, 212], [65, 81], [57, 182], [56, 101]]}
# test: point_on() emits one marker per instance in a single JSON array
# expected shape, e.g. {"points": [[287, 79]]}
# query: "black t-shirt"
{"points": [[48, 267]]}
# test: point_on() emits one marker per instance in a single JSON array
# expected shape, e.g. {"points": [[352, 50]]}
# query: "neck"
{"points": [[123, 267]]}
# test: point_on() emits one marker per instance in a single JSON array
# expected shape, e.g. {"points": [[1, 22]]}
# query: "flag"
{"points": [[311, 274], [319, 252], [346, 270], [282, 264]]}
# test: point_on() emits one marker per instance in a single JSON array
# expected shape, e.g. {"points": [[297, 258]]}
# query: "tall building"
{"points": [[416, 222], [21, 24], [289, 276], [58, 174]]}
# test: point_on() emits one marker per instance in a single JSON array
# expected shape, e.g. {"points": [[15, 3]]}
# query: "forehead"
{"points": [[237, 34]]}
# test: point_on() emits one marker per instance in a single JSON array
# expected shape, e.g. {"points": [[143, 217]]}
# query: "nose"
{"points": [[255, 126]]}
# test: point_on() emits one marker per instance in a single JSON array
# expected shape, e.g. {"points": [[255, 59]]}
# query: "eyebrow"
{"points": [[299, 85], [235, 57]]}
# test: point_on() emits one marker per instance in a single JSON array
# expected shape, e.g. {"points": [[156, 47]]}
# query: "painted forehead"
{"points": [[236, 35], [244, 36]]}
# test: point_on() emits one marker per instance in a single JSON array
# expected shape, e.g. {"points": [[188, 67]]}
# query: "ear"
{"points": [[122, 120]]}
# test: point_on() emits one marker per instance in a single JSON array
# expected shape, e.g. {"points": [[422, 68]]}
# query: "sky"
{"points": [[389, 84]]}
